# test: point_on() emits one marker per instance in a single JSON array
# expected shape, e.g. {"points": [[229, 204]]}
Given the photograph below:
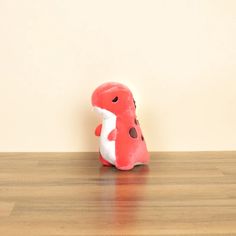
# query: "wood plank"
{"points": [[6, 208], [72, 194]]}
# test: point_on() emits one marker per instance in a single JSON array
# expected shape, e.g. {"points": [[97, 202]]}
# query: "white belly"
{"points": [[107, 147]]}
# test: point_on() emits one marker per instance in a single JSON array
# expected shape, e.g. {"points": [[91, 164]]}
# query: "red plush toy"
{"points": [[121, 140]]}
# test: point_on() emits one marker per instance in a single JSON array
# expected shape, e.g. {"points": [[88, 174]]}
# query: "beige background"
{"points": [[178, 57]]}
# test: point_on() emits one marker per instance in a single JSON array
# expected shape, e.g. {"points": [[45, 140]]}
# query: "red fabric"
{"points": [[98, 130], [112, 135], [130, 147]]}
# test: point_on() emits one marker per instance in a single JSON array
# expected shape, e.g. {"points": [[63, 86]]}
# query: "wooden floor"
{"points": [[71, 194]]}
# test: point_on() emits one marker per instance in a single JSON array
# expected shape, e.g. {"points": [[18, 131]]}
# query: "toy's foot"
{"points": [[103, 161], [128, 167], [131, 166]]}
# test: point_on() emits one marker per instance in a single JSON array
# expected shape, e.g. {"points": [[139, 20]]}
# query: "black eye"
{"points": [[115, 99]]}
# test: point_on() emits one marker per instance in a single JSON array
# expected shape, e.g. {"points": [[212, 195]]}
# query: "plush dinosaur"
{"points": [[121, 140]]}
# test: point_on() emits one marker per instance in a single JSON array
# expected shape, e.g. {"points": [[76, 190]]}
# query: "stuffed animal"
{"points": [[121, 140]]}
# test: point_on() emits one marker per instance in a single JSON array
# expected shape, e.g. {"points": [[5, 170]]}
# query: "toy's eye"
{"points": [[115, 99]]}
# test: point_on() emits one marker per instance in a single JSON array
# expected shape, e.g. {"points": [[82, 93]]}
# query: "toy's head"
{"points": [[113, 97]]}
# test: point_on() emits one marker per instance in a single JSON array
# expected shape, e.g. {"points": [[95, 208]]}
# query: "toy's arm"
{"points": [[98, 130], [112, 135]]}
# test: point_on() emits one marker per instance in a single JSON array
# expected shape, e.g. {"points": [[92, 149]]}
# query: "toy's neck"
{"points": [[125, 115], [105, 113]]}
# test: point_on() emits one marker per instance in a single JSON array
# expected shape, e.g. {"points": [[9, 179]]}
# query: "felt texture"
{"points": [[121, 140]]}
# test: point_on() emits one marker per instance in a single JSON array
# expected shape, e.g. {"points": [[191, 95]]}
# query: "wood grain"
{"points": [[183, 193]]}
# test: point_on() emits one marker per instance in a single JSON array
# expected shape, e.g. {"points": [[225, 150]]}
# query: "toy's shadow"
{"points": [[123, 193]]}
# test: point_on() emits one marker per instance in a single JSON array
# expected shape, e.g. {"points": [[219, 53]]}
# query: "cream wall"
{"points": [[178, 57]]}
